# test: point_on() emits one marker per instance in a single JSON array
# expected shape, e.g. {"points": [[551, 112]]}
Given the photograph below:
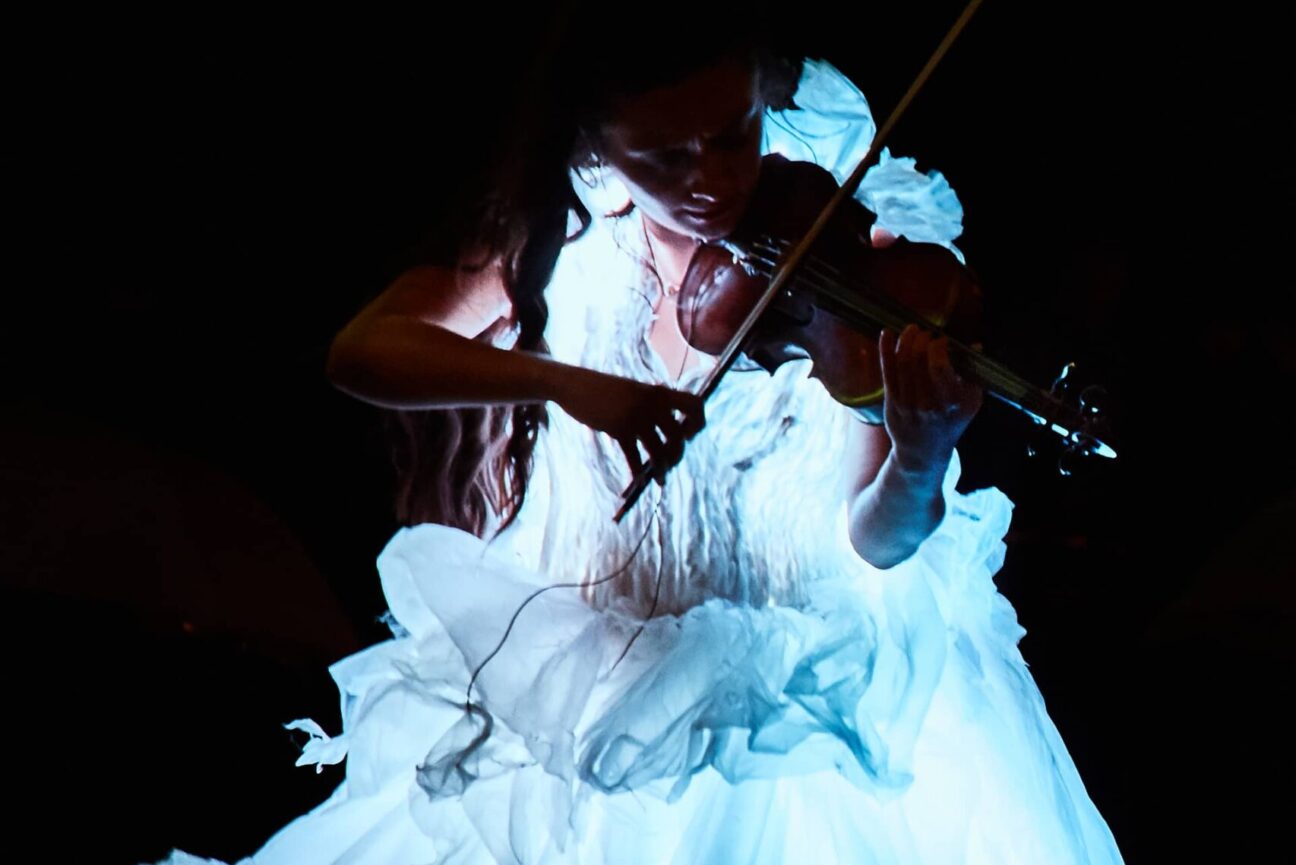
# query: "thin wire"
{"points": [[654, 520], [488, 721], [468, 704], [656, 510]]}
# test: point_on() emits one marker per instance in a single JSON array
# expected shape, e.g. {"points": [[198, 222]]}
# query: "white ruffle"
{"points": [[841, 686], [892, 711], [833, 127]]}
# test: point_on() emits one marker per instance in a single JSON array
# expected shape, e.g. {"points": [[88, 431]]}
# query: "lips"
{"points": [[712, 213]]}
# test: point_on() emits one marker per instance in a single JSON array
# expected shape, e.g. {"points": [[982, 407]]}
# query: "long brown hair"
{"points": [[469, 467]]}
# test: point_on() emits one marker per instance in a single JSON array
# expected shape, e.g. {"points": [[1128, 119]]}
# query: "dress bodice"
{"points": [[754, 510], [751, 512]]}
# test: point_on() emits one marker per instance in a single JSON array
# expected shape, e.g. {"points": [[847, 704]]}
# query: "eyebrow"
{"points": [[756, 109]]}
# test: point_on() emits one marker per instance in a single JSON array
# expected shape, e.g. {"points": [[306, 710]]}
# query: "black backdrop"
{"points": [[190, 513]]}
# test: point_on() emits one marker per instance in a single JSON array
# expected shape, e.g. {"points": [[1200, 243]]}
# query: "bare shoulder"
{"points": [[466, 299]]}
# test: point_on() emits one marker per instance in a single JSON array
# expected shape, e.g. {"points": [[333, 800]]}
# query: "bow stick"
{"points": [[792, 261]]}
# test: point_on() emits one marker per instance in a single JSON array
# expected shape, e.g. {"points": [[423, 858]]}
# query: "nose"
{"points": [[713, 177]]}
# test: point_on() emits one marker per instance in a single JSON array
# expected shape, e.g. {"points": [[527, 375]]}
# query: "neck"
{"points": [[665, 239], [669, 252]]}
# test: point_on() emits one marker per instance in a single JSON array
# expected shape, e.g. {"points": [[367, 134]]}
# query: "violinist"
{"points": [[792, 649]]}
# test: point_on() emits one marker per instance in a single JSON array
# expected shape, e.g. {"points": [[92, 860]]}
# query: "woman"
{"points": [[792, 649]]}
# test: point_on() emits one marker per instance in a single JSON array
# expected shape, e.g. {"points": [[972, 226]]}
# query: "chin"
{"points": [[709, 230], [716, 226]]}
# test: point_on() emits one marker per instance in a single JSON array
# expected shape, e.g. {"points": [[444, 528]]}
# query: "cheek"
{"points": [[751, 173], [652, 190], [751, 162]]}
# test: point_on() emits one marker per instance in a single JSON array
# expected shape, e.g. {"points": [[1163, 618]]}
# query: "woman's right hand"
{"points": [[654, 418]]}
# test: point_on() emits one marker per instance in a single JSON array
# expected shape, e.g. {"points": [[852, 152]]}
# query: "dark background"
{"points": [[190, 513]]}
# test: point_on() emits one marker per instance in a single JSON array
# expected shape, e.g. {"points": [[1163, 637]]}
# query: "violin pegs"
{"points": [[1093, 402], [1062, 383], [1077, 448], [1069, 459]]}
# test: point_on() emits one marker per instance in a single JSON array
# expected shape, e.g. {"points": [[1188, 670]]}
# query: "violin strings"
{"points": [[821, 276]]}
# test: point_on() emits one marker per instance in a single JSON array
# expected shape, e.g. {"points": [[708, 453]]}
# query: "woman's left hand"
{"points": [[927, 404]]}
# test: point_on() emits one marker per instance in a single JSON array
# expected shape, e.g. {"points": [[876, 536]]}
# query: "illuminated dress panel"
{"points": [[785, 701]]}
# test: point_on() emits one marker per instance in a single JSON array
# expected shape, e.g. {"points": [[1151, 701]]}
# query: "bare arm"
{"points": [[895, 473], [412, 348], [892, 509]]}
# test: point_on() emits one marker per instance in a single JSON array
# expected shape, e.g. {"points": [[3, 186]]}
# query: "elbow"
{"points": [[885, 543], [337, 365], [883, 556], [345, 365]]}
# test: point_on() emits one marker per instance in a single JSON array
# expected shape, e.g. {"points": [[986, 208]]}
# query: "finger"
{"points": [[886, 359], [653, 443], [912, 367], [672, 432], [923, 388], [886, 365], [631, 451], [691, 412], [903, 349], [667, 449], [668, 418], [971, 396], [945, 381], [963, 390]]}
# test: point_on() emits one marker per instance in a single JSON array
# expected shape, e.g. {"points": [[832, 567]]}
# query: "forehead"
{"points": [[704, 104]]}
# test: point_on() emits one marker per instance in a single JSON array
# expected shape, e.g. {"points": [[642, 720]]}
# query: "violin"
{"points": [[848, 292], [837, 330], [834, 307], [796, 281]]}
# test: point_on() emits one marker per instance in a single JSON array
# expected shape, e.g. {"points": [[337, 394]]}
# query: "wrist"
{"points": [[919, 467], [546, 383], [560, 383]]}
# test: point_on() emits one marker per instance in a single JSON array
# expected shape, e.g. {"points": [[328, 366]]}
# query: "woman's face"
{"points": [[689, 153]]}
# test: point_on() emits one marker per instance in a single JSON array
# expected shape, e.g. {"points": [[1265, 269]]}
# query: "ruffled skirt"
{"points": [[890, 719]]}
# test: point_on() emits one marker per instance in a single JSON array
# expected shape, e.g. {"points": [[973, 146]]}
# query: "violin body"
{"points": [[925, 281]]}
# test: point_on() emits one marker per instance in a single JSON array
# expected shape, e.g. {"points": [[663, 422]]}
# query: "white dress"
{"points": [[786, 702]]}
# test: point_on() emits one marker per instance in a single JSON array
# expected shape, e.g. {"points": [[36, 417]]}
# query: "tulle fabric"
{"points": [[889, 719]]}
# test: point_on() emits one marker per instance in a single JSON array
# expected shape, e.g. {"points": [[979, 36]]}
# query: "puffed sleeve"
{"points": [[833, 126]]}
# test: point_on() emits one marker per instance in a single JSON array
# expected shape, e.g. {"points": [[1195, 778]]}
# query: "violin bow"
{"points": [[792, 262]]}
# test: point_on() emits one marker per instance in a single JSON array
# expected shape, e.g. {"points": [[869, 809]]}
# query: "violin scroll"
{"points": [[1081, 428]]}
